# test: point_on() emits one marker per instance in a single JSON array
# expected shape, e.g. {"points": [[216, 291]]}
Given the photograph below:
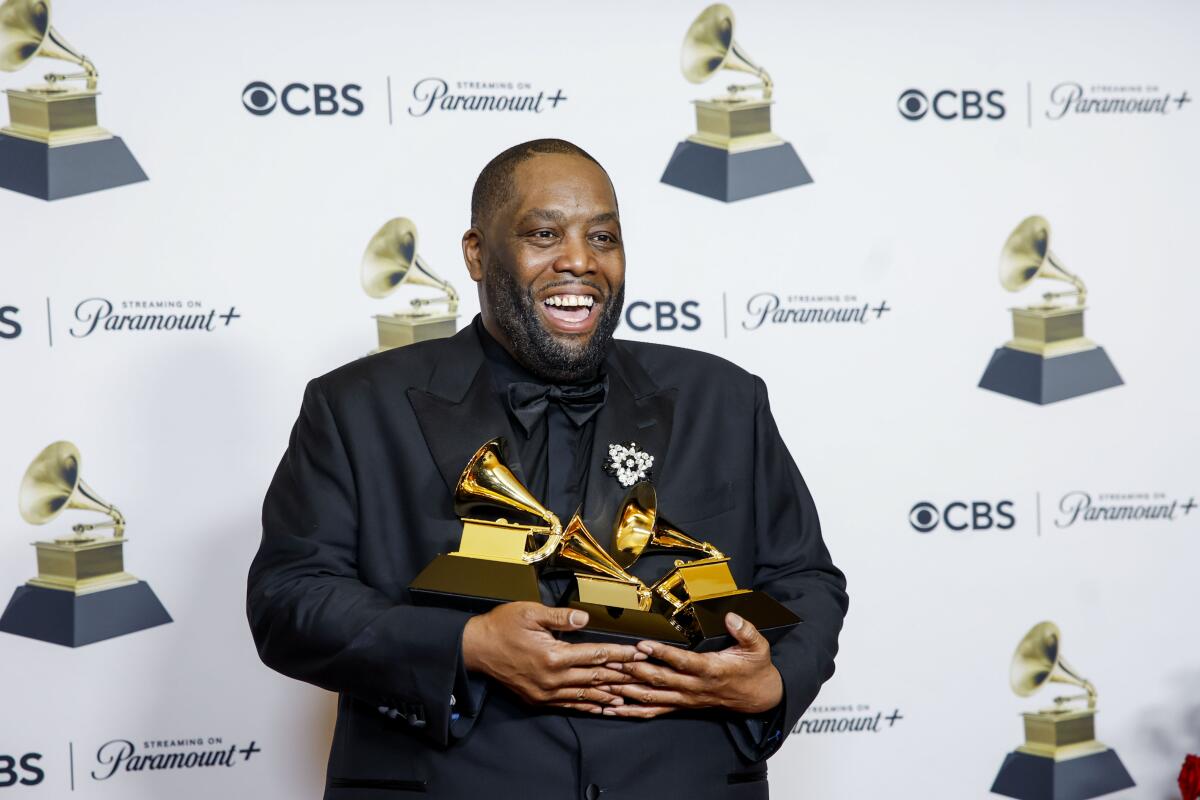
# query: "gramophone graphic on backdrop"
{"points": [[733, 154], [1061, 759], [53, 146], [1048, 359], [495, 564], [82, 593], [391, 261]]}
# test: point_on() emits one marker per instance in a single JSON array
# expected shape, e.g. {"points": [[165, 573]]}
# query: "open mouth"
{"points": [[570, 313]]}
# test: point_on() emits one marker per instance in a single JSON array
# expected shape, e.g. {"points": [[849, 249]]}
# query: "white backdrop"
{"points": [[269, 214]]}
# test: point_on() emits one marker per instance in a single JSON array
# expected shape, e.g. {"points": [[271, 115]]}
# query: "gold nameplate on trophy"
{"points": [[1048, 358], [1060, 756], [391, 261], [82, 592], [53, 145]]}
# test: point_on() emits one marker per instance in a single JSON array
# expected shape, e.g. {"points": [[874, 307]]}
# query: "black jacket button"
{"points": [[592, 792]]}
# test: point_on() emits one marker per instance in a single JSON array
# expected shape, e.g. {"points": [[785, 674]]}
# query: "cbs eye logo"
{"points": [[301, 99], [951, 104], [975, 515]]}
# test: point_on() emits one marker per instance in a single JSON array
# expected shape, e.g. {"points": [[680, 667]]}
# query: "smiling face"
{"points": [[550, 264]]}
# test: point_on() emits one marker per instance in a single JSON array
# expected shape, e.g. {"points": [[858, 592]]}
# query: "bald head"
{"points": [[495, 184]]}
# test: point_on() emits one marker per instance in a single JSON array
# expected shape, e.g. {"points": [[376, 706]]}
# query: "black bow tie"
{"points": [[529, 401]]}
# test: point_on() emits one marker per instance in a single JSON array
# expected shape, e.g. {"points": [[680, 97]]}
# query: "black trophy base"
{"points": [[717, 173], [772, 619], [1027, 376], [473, 584], [1030, 777], [51, 173], [624, 626], [52, 615]]}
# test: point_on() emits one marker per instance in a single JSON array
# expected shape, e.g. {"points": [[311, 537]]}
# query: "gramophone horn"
{"points": [[1038, 660], [1027, 256], [638, 529], [709, 46], [487, 483], [52, 484], [26, 33], [391, 260]]}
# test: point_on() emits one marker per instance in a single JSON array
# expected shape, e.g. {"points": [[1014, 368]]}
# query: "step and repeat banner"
{"points": [[957, 241]]}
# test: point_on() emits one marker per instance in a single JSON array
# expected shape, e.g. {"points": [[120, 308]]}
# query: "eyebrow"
{"points": [[554, 215]]}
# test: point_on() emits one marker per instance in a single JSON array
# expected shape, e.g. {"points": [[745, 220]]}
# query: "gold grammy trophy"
{"points": [[1061, 757], [497, 559], [53, 145], [697, 594], [82, 593], [391, 261], [733, 154], [1048, 359]]}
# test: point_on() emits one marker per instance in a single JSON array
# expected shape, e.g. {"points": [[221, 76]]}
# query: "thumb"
{"points": [[746, 635], [557, 619]]}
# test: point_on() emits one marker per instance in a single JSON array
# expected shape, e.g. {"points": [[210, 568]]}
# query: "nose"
{"points": [[576, 256]]}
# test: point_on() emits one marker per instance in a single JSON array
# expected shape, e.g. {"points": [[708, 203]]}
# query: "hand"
{"points": [[514, 644], [740, 678]]}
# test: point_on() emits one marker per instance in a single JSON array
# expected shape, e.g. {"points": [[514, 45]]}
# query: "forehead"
{"points": [[564, 182]]}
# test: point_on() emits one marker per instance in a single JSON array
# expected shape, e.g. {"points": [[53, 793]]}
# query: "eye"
{"points": [[604, 238]]}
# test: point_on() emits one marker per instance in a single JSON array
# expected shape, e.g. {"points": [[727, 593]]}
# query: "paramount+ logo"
{"points": [[952, 104], [303, 99], [962, 515]]}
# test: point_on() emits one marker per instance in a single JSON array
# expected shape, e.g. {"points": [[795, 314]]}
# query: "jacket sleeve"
{"points": [[793, 566], [314, 620]]}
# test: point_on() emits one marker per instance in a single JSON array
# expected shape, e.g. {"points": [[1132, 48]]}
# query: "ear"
{"points": [[472, 247]]}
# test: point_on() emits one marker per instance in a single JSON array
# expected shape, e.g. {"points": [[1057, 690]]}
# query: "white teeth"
{"points": [[570, 300]]}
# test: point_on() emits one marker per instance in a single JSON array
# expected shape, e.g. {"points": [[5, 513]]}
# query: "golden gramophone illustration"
{"points": [[391, 261], [1049, 358], [696, 594], [53, 146], [1061, 757], [734, 154], [82, 593]]}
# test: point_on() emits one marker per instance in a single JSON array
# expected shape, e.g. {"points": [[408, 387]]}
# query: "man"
{"points": [[452, 704]]}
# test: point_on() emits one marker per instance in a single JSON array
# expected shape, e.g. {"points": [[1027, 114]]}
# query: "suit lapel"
{"points": [[637, 410], [460, 412]]}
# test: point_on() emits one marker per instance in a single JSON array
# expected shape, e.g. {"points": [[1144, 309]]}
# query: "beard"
{"points": [[557, 359]]}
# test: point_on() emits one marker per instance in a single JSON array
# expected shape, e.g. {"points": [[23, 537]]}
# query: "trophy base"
{"points": [[727, 176], [50, 173], [624, 626], [1029, 777], [1030, 377], [473, 584], [73, 620], [398, 330], [772, 618]]}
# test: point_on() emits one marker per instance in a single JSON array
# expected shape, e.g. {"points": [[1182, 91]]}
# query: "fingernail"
{"points": [[595, 709], [640, 656], [646, 648], [735, 621], [617, 701], [608, 712], [577, 618]]}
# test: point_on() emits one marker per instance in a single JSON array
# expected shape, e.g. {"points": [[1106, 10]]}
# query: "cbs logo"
{"points": [[950, 104], [300, 99], [663, 315], [977, 515]]}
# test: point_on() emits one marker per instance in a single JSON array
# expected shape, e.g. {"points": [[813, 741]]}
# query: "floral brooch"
{"points": [[628, 464]]}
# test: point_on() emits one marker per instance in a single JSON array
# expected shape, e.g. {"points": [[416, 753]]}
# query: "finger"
{"points": [[584, 694], [589, 676], [578, 655], [554, 619], [744, 632], [637, 712], [588, 707], [681, 660], [662, 677], [649, 696]]}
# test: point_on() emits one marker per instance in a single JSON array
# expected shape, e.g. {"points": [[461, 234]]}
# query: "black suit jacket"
{"points": [[361, 502]]}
